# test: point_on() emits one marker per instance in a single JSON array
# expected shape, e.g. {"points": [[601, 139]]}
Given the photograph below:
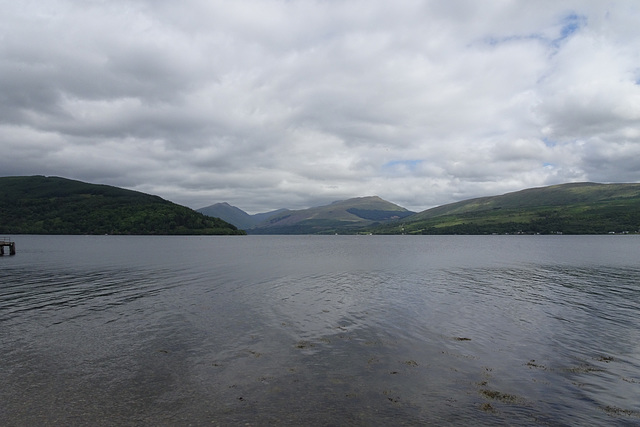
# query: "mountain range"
{"points": [[53, 205], [342, 216], [573, 208]]}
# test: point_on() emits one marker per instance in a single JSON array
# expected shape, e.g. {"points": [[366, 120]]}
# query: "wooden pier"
{"points": [[5, 241]]}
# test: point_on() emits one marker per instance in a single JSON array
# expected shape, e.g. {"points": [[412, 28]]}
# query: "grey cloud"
{"points": [[269, 104]]}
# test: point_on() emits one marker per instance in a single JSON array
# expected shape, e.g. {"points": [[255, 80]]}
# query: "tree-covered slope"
{"points": [[53, 205], [576, 208]]}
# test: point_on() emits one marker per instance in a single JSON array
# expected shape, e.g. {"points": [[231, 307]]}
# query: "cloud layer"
{"points": [[274, 103]]}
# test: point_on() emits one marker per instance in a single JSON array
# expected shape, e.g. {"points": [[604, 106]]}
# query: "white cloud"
{"points": [[274, 103]]}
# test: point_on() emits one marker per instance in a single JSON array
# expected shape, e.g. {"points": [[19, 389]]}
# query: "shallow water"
{"points": [[320, 330]]}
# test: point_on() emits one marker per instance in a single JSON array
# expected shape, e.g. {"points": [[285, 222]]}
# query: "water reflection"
{"points": [[320, 332]]}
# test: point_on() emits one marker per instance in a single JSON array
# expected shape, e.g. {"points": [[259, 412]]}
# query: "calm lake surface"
{"points": [[320, 330]]}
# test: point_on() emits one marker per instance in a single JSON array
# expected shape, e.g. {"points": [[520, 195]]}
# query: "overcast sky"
{"points": [[293, 103]]}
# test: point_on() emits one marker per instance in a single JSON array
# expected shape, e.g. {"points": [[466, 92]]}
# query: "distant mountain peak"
{"points": [[235, 215], [339, 216]]}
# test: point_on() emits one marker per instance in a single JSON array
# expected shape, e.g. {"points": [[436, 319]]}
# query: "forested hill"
{"points": [[574, 208], [53, 205]]}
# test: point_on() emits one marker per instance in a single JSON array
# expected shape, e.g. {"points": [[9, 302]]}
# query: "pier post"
{"points": [[6, 242]]}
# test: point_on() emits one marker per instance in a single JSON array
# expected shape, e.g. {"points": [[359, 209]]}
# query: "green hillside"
{"points": [[345, 216], [577, 208], [52, 205]]}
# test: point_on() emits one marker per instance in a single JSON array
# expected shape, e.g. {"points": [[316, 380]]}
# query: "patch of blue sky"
{"points": [[548, 165], [494, 41], [408, 165], [571, 24], [548, 142]]}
